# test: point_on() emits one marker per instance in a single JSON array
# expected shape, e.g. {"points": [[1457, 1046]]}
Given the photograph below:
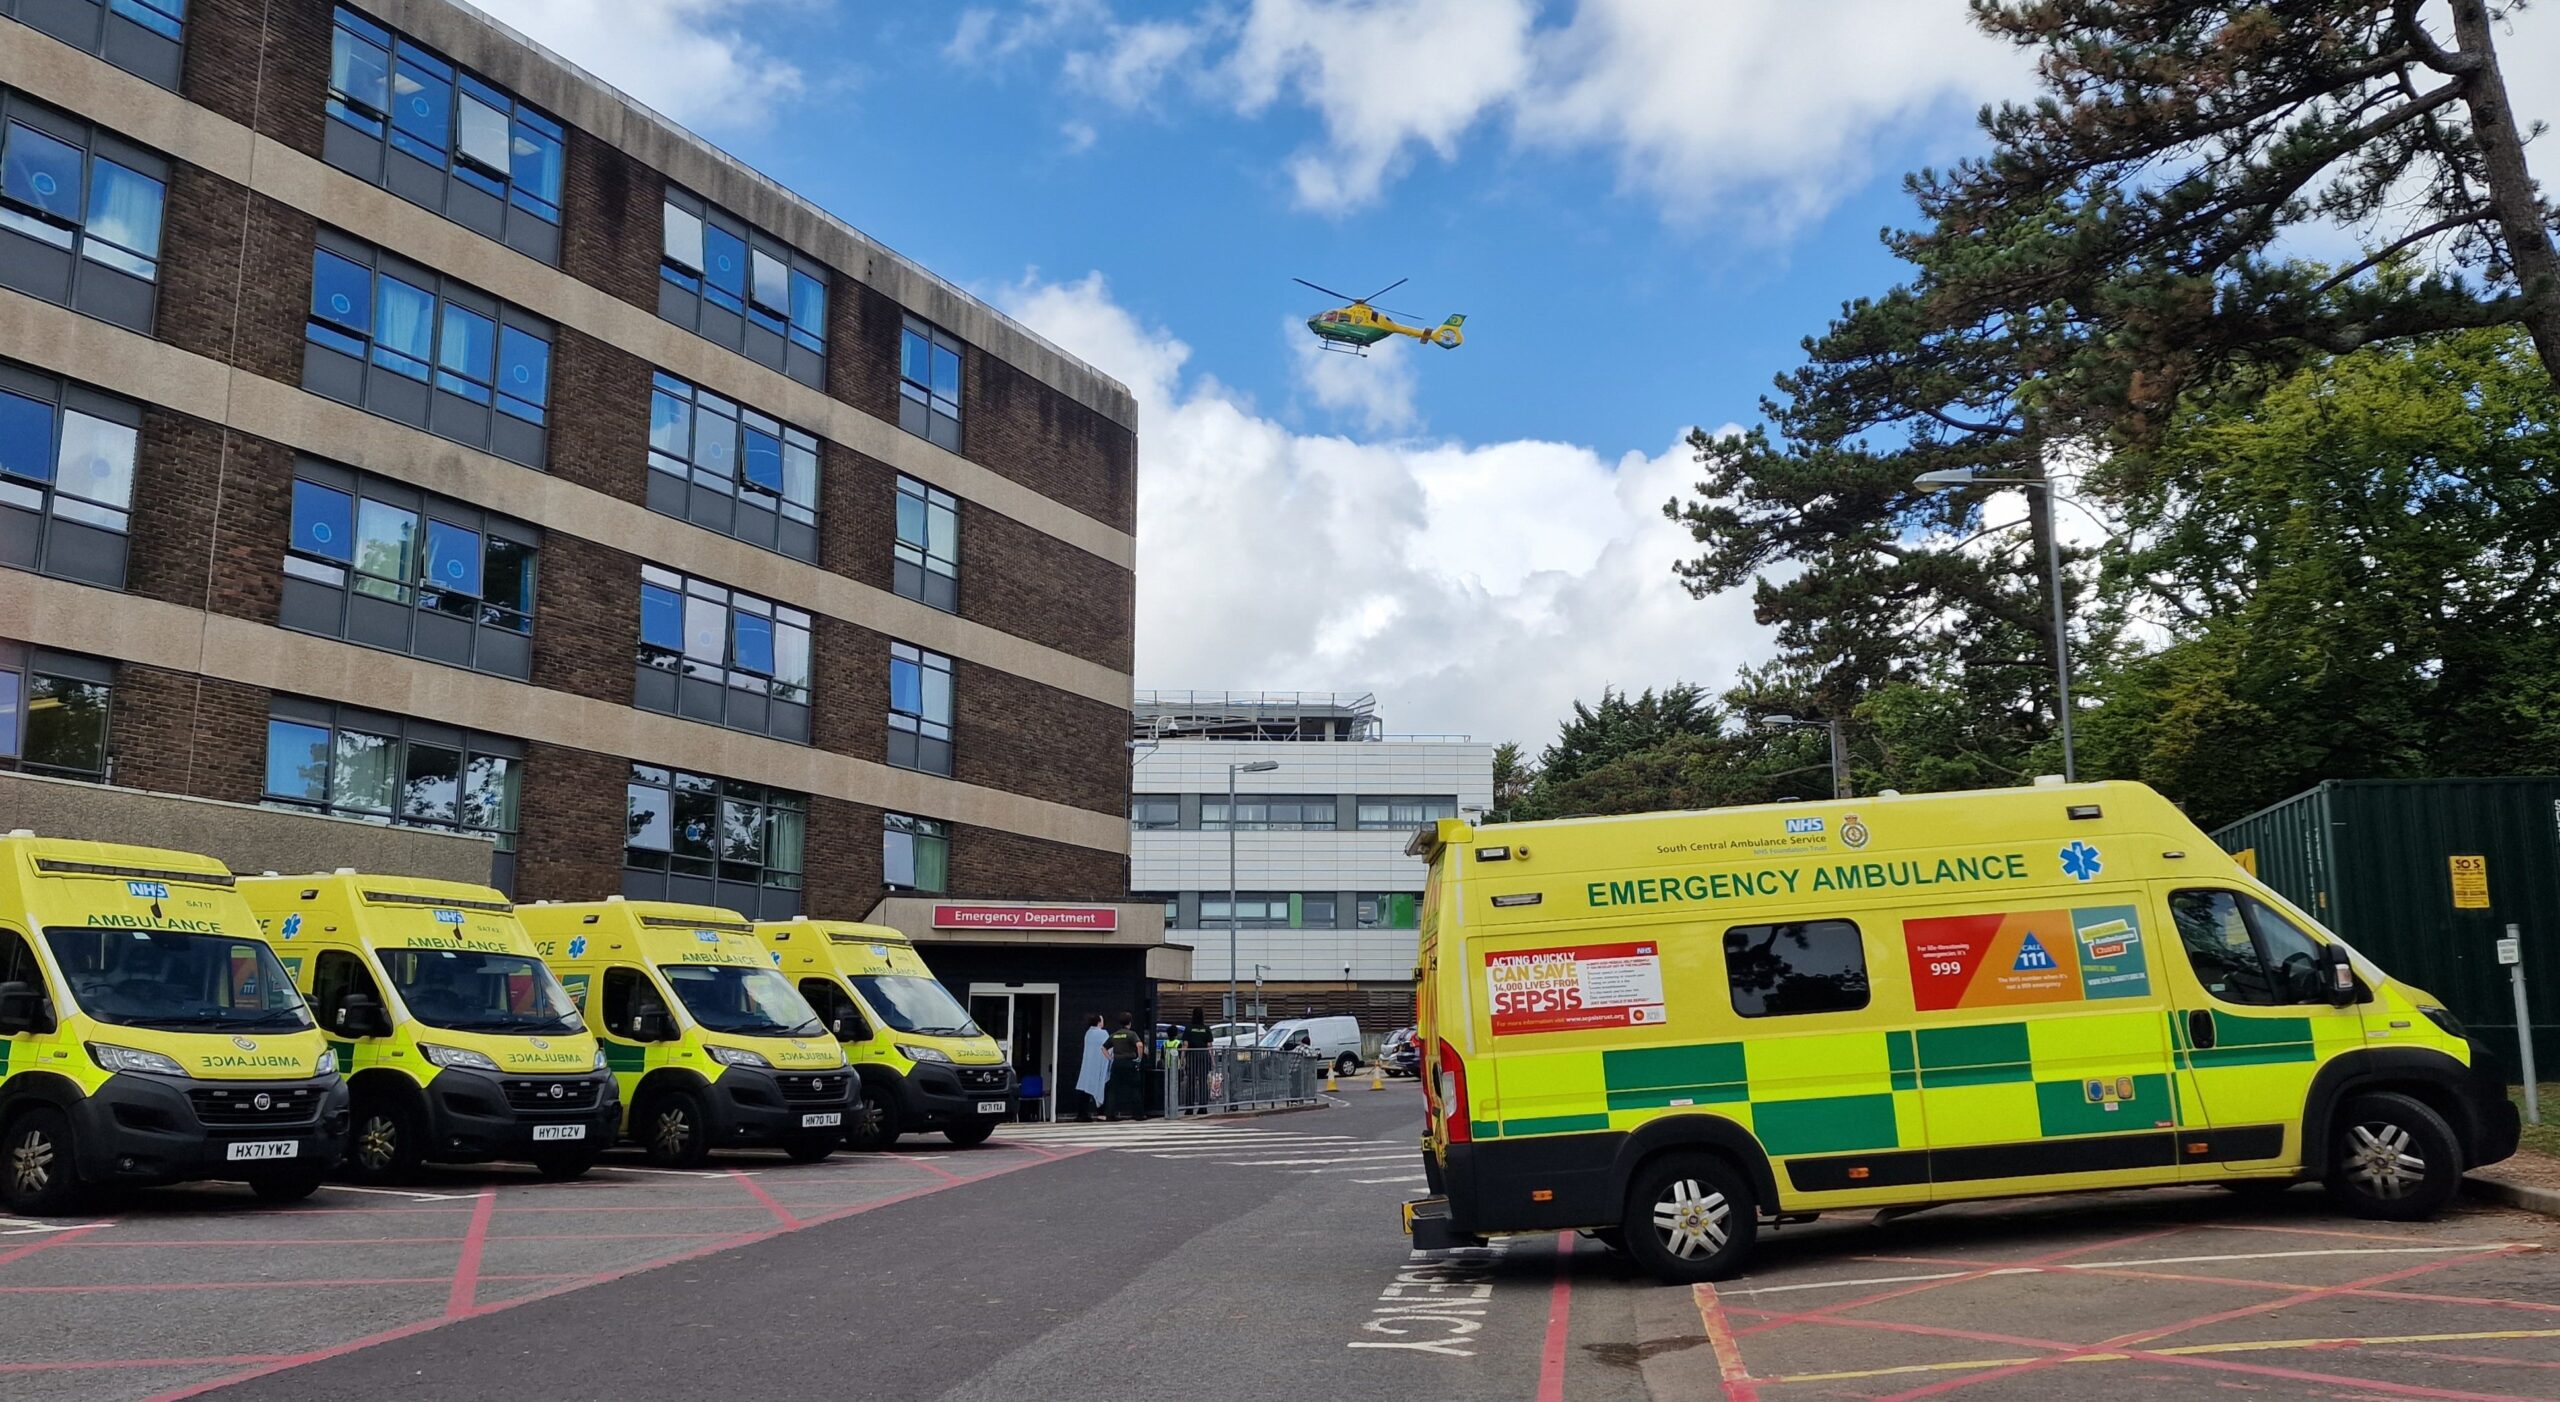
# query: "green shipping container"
{"points": [[2374, 860]]}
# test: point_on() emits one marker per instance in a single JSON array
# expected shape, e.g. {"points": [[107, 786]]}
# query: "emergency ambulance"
{"points": [[147, 1034], [1664, 1029], [924, 1064], [457, 1044], [711, 1048]]}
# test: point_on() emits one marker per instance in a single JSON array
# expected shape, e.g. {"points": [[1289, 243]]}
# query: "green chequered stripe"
{"points": [[4, 1056], [346, 1055], [1652, 1078], [1549, 1124], [619, 1057], [2248, 1041], [1993, 1054], [1835, 1124], [2064, 1108], [1906, 1064]]}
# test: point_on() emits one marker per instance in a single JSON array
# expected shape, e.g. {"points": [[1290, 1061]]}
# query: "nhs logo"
{"points": [[147, 890], [1796, 826], [448, 917]]}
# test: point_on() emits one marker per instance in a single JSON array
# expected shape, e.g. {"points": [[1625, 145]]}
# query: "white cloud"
{"points": [[1377, 388], [691, 60], [1127, 71], [1477, 587]]}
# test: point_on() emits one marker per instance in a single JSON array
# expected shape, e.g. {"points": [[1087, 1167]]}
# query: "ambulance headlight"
{"points": [[328, 1062], [457, 1058], [603, 1063], [739, 1056], [111, 1057], [2440, 1017], [915, 1053]]}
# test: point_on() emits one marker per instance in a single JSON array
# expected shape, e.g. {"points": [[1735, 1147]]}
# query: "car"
{"points": [[1235, 1034], [1402, 1054]]}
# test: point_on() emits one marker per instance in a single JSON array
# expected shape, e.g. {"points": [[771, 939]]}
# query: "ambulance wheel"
{"points": [[970, 1133], [812, 1148], [385, 1142], [562, 1165], [285, 1187], [673, 1128], [877, 1126], [2392, 1158], [39, 1173], [1689, 1218]]}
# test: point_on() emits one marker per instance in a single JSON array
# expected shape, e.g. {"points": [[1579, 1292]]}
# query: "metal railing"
{"points": [[1226, 1080]]}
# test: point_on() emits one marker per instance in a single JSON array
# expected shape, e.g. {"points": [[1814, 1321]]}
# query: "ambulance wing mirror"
{"points": [[652, 1025], [358, 1015], [849, 1026], [2338, 975], [22, 1009]]}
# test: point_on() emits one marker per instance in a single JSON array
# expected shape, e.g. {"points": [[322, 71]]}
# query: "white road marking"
{"points": [[1389, 1156], [19, 1226], [2113, 1265], [397, 1193], [659, 1172], [1406, 1178]]}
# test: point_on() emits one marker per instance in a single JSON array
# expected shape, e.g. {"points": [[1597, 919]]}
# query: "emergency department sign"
{"points": [[1575, 988]]}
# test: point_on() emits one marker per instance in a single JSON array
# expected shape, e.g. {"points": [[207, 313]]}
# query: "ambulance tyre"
{"points": [[39, 1173], [674, 1128], [876, 1127], [285, 1187], [971, 1132], [1689, 1218], [812, 1148], [2393, 1158], [562, 1165], [384, 1144]]}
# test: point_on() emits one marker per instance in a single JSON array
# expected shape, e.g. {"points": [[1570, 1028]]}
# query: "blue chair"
{"points": [[1034, 1091]]}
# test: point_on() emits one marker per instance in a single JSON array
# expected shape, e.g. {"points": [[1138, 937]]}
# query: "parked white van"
{"points": [[1334, 1039]]}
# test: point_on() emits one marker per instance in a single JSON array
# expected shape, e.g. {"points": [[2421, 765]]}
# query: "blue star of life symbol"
{"points": [[578, 947], [2080, 861], [293, 925]]}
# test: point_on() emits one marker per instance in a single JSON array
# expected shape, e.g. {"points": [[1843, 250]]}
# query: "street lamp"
{"points": [[2039, 516], [1234, 917], [1839, 746]]}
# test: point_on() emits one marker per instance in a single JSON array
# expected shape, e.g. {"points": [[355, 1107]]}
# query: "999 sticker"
{"points": [[1575, 988]]}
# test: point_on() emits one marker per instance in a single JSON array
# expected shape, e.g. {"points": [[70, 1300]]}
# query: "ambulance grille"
{"points": [[539, 1095], [238, 1105], [812, 1087], [982, 1077]]}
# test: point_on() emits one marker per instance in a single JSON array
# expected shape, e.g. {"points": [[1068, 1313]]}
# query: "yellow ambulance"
{"points": [[147, 1034], [711, 1048], [457, 1044], [923, 1062], [1666, 1028]]}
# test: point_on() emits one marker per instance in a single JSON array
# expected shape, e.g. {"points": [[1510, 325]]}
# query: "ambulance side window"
{"points": [[18, 962], [830, 1003], [2215, 928], [627, 993], [336, 975], [1805, 966]]}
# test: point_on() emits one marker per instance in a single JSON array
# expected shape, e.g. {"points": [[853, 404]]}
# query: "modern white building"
{"points": [[1326, 896]]}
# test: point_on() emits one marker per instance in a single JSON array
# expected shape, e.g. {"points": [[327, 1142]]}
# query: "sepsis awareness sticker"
{"points": [[1575, 987]]}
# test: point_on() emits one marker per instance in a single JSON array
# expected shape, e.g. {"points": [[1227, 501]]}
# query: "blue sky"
{"points": [[1641, 206]]}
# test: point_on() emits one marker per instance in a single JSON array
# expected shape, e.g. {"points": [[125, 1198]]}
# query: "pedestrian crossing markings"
{"points": [[1284, 1150]]}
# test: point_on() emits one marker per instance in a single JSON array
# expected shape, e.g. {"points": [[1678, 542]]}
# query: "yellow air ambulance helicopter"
{"points": [[1357, 327]]}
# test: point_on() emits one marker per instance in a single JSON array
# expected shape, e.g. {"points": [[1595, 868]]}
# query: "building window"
{"points": [[919, 709], [1155, 811], [146, 38], [1390, 910], [53, 713], [928, 551], [711, 841], [723, 280], [1170, 900], [726, 467], [80, 213], [1403, 814], [1808, 966], [439, 136], [388, 566], [66, 477], [390, 769], [401, 341], [915, 853], [723, 657], [1273, 814], [929, 383], [1278, 910]]}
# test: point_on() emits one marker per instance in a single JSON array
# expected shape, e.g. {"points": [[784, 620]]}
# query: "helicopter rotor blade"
{"points": [[1329, 292], [1383, 291]]}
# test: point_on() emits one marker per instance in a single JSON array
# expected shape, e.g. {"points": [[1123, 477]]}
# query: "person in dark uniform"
{"points": [[1125, 1095], [1195, 1064]]}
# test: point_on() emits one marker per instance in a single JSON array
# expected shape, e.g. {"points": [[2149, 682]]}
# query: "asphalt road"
{"points": [[1234, 1260]]}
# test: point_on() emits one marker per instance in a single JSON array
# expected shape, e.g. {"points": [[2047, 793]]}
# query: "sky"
{"points": [[1642, 207]]}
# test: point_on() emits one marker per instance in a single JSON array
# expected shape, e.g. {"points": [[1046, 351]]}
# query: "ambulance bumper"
{"points": [[478, 1115], [934, 1096], [2497, 1125], [752, 1107], [152, 1129]]}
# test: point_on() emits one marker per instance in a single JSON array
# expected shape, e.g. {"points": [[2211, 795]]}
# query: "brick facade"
{"points": [[857, 515], [586, 628], [990, 865], [610, 232], [599, 416], [1025, 738], [1026, 431], [841, 874], [571, 846], [235, 282], [1037, 586], [174, 732], [263, 64]]}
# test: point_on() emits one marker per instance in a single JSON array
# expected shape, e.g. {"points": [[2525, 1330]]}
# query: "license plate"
{"points": [[542, 1132], [830, 1120], [263, 1149], [990, 1107]]}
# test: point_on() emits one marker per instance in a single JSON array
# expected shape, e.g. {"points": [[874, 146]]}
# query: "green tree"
{"points": [[1513, 776]]}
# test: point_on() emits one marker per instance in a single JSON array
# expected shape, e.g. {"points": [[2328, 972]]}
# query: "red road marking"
{"points": [[466, 1272], [50, 1239], [1928, 1330], [780, 1213], [931, 1167], [2328, 1379], [1738, 1386], [1981, 1270], [338, 1350], [1559, 1320]]}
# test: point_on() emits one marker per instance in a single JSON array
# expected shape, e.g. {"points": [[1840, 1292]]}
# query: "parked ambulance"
{"points": [[147, 1034], [711, 1048], [457, 1044], [924, 1063], [1664, 1029]]}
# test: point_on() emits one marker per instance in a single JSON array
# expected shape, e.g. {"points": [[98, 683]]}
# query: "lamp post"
{"points": [[2039, 518], [1839, 746], [1259, 766]]}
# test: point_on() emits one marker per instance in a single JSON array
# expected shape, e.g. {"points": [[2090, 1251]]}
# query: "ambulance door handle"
{"points": [[2200, 1030]]}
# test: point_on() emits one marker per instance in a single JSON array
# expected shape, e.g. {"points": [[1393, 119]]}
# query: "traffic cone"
{"points": [[1377, 1078], [1332, 1079]]}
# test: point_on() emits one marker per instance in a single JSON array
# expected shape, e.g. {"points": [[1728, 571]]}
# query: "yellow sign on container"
{"points": [[2470, 882]]}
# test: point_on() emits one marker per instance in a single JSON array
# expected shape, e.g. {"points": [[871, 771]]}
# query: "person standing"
{"points": [[1195, 1064], [1124, 1095], [1093, 1072]]}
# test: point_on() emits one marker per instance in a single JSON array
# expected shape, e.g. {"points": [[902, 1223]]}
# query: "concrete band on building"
{"points": [[398, 424]]}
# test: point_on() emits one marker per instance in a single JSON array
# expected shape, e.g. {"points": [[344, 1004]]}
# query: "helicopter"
{"points": [[1355, 328]]}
